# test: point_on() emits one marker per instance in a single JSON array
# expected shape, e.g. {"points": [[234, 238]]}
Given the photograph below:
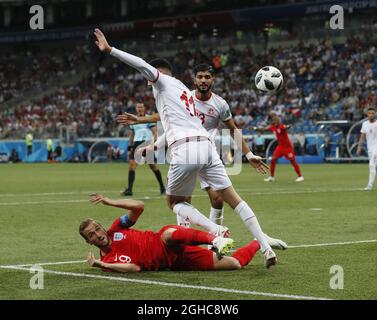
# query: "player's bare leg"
{"points": [[187, 212], [217, 207], [247, 215]]}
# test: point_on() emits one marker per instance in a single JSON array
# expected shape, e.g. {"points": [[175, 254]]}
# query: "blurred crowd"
{"points": [[322, 81]]}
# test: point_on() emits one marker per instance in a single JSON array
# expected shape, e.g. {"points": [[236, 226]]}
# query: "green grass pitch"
{"points": [[41, 206]]}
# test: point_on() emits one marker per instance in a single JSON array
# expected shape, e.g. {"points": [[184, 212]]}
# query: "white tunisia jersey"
{"points": [[176, 106], [370, 130], [212, 112]]}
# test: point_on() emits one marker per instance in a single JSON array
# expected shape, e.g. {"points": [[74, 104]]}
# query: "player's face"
{"points": [[371, 115], [203, 81], [140, 109], [275, 120], [96, 235]]}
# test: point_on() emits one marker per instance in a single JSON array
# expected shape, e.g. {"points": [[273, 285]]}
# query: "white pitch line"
{"points": [[175, 285], [250, 193], [48, 194], [330, 244], [277, 191], [289, 247]]}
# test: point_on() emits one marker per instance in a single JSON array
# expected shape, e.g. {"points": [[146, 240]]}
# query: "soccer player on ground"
{"points": [[123, 249], [212, 110], [284, 148], [191, 151], [369, 131], [141, 133]]}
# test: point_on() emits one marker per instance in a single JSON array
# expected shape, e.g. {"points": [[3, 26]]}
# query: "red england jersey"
{"points": [[281, 135], [144, 248]]}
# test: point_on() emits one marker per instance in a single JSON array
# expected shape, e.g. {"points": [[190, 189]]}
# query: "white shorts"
{"points": [[372, 155], [194, 159]]}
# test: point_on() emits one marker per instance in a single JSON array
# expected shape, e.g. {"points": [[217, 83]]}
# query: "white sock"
{"points": [[251, 222], [217, 216], [183, 222], [372, 175], [187, 211]]}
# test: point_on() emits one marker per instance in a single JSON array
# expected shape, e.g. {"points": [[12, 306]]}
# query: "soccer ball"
{"points": [[269, 80]]}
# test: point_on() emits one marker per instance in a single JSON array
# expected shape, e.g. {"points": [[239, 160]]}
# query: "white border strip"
{"points": [[175, 285]]}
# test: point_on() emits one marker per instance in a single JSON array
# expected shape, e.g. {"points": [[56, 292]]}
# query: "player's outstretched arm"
{"points": [[255, 161], [261, 129], [135, 207], [360, 143], [149, 72], [118, 267], [128, 119]]}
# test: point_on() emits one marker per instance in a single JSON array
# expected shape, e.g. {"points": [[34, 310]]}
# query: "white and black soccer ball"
{"points": [[269, 80]]}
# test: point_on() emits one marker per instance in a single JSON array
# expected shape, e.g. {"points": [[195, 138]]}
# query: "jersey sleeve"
{"points": [[122, 222], [225, 114], [149, 72], [363, 129], [151, 125]]}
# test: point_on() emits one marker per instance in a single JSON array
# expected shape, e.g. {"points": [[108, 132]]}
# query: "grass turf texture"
{"points": [[42, 205]]}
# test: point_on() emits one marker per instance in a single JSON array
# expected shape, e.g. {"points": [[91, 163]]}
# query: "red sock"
{"points": [[246, 253], [272, 167], [297, 167], [191, 237]]}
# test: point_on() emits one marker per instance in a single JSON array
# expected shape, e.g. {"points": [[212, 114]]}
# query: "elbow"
{"points": [[139, 207]]}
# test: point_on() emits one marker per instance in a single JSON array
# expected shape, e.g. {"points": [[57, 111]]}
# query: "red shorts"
{"points": [[288, 153], [188, 258]]}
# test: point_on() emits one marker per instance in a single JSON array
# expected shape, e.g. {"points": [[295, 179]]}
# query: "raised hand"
{"points": [[101, 42], [127, 119], [259, 165], [98, 198], [92, 262]]}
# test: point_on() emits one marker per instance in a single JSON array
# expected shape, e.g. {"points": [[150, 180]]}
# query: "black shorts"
{"points": [[133, 148]]}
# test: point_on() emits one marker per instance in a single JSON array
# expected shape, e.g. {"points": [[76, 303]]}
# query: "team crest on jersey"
{"points": [[278, 130], [211, 111], [118, 236]]}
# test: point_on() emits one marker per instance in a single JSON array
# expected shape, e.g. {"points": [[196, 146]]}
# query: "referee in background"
{"points": [[140, 133]]}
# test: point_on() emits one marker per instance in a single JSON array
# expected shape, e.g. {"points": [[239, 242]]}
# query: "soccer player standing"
{"points": [[191, 151], [212, 111], [369, 131], [141, 133], [284, 148]]}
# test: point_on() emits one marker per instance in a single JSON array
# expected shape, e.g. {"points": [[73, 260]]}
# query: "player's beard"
{"points": [[204, 91]]}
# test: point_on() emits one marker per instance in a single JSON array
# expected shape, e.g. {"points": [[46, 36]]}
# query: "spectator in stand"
{"points": [[299, 143], [259, 143]]}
